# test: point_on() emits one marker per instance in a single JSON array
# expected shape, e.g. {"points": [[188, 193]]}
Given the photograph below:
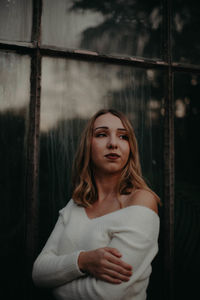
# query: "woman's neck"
{"points": [[107, 186]]}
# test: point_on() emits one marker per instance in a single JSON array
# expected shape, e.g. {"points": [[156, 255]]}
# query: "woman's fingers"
{"points": [[116, 275], [113, 251], [113, 266], [118, 262], [110, 279], [116, 271]]}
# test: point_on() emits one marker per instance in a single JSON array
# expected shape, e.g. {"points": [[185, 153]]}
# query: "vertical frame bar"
{"points": [[32, 210], [32, 158], [36, 22], [169, 187], [168, 158]]}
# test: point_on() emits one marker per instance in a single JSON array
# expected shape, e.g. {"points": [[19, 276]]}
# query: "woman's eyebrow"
{"points": [[101, 127], [106, 128], [121, 129]]}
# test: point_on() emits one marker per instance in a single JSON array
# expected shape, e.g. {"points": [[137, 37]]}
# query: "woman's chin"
{"points": [[110, 171]]}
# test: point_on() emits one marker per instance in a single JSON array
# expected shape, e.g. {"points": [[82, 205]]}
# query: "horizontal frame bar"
{"points": [[28, 48]]}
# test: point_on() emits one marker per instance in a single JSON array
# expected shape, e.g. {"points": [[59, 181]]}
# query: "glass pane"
{"points": [[186, 30], [71, 92], [187, 200], [15, 20], [112, 27], [14, 102]]}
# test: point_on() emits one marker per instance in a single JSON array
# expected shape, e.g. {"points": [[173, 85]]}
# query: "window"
{"points": [[60, 61]]}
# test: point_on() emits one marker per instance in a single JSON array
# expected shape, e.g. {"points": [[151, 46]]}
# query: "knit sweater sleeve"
{"points": [[51, 268], [137, 241]]}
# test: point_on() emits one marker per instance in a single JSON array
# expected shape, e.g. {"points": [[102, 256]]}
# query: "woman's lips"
{"points": [[112, 156]]}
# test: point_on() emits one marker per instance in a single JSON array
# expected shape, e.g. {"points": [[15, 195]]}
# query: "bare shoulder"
{"points": [[144, 198]]}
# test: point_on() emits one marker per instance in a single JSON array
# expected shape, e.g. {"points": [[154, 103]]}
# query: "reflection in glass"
{"points": [[187, 184], [112, 27], [15, 20], [14, 101], [186, 30]]}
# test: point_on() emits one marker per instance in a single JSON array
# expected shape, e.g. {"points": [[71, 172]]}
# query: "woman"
{"points": [[106, 237]]}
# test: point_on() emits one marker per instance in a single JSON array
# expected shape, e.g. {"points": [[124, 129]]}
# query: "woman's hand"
{"points": [[105, 264]]}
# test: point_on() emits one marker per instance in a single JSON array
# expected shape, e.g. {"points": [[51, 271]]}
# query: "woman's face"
{"points": [[110, 146]]}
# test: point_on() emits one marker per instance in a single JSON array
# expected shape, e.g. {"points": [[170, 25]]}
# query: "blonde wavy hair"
{"points": [[84, 187]]}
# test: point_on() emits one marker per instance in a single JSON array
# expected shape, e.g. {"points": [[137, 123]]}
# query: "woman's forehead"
{"points": [[108, 120]]}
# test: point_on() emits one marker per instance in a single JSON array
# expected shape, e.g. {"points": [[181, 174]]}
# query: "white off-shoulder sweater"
{"points": [[132, 230]]}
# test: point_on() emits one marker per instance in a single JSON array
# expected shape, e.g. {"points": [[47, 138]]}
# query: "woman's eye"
{"points": [[100, 134], [124, 137]]}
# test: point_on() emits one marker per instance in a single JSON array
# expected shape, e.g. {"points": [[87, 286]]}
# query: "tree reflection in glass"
{"points": [[16, 20], [186, 30], [112, 27]]}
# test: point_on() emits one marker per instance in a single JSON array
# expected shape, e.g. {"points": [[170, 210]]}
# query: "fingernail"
{"points": [[127, 279]]}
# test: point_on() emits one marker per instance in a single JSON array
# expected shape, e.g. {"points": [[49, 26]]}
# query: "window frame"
{"points": [[36, 52]]}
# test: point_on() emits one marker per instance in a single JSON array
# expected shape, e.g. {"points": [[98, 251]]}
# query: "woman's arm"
{"points": [[137, 241], [51, 269]]}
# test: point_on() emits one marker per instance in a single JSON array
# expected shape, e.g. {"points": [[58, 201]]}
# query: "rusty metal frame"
{"points": [[32, 154], [168, 224], [32, 204], [36, 52], [33, 133]]}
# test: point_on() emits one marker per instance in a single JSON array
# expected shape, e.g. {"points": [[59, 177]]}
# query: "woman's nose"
{"points": [[112, 143]]}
